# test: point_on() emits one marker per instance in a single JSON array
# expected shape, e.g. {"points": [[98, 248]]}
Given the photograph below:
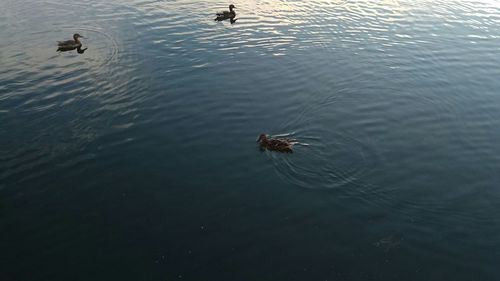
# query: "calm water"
{"points": [[137, 159]]}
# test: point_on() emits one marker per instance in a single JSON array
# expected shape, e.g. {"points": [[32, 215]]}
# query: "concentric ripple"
{"points": [[331, 156], [327, 160], [102, 47]]}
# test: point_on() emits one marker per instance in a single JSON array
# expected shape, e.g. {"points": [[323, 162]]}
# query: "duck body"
{"points": [[224, 15], [75, 43], [275, 144]]}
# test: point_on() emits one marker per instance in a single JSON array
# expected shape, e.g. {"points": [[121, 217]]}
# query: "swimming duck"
{"points": [[75, 43], [275, 144], [231, 14]]}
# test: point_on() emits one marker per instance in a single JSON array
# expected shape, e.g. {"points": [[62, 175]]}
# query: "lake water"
{"points": [[137, 160]]}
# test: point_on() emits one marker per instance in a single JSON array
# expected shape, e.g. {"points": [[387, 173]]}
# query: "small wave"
{"points": [[65, 4], [105, 51], [328, 160]]}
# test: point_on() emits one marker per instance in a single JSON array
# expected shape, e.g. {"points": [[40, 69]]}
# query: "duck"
{"points": [[275, 144], [75, 43], [231, 14]]}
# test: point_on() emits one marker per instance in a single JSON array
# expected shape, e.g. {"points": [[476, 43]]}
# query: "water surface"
{"points": [[136, 160]]}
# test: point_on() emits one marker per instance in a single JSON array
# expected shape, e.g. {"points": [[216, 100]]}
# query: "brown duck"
{"points": [[275, 144], [224, 15], [71, 43]]}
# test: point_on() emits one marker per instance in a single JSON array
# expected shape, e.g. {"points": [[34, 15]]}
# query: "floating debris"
{"points": [[388, 243]]}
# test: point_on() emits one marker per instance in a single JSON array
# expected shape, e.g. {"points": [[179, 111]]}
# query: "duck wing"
{"points": [[223, 13], [278, 143], [278, 146], [65, 43]]}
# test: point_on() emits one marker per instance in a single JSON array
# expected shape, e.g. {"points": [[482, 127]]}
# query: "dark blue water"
{"points": [[137, 160]]}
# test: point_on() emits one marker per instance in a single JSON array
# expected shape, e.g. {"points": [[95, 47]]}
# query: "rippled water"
{"points": [[136, 160]]}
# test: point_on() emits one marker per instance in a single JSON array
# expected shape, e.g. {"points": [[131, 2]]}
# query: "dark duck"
{"points": [[69, 45], [224, 15], [275, 144]]}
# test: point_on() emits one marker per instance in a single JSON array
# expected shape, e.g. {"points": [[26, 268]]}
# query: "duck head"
{"points": [[231, 7], [262, 138], [76, 36]]}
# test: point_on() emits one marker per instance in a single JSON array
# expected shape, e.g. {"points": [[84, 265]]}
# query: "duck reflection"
{"points": [[66, 49]]}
